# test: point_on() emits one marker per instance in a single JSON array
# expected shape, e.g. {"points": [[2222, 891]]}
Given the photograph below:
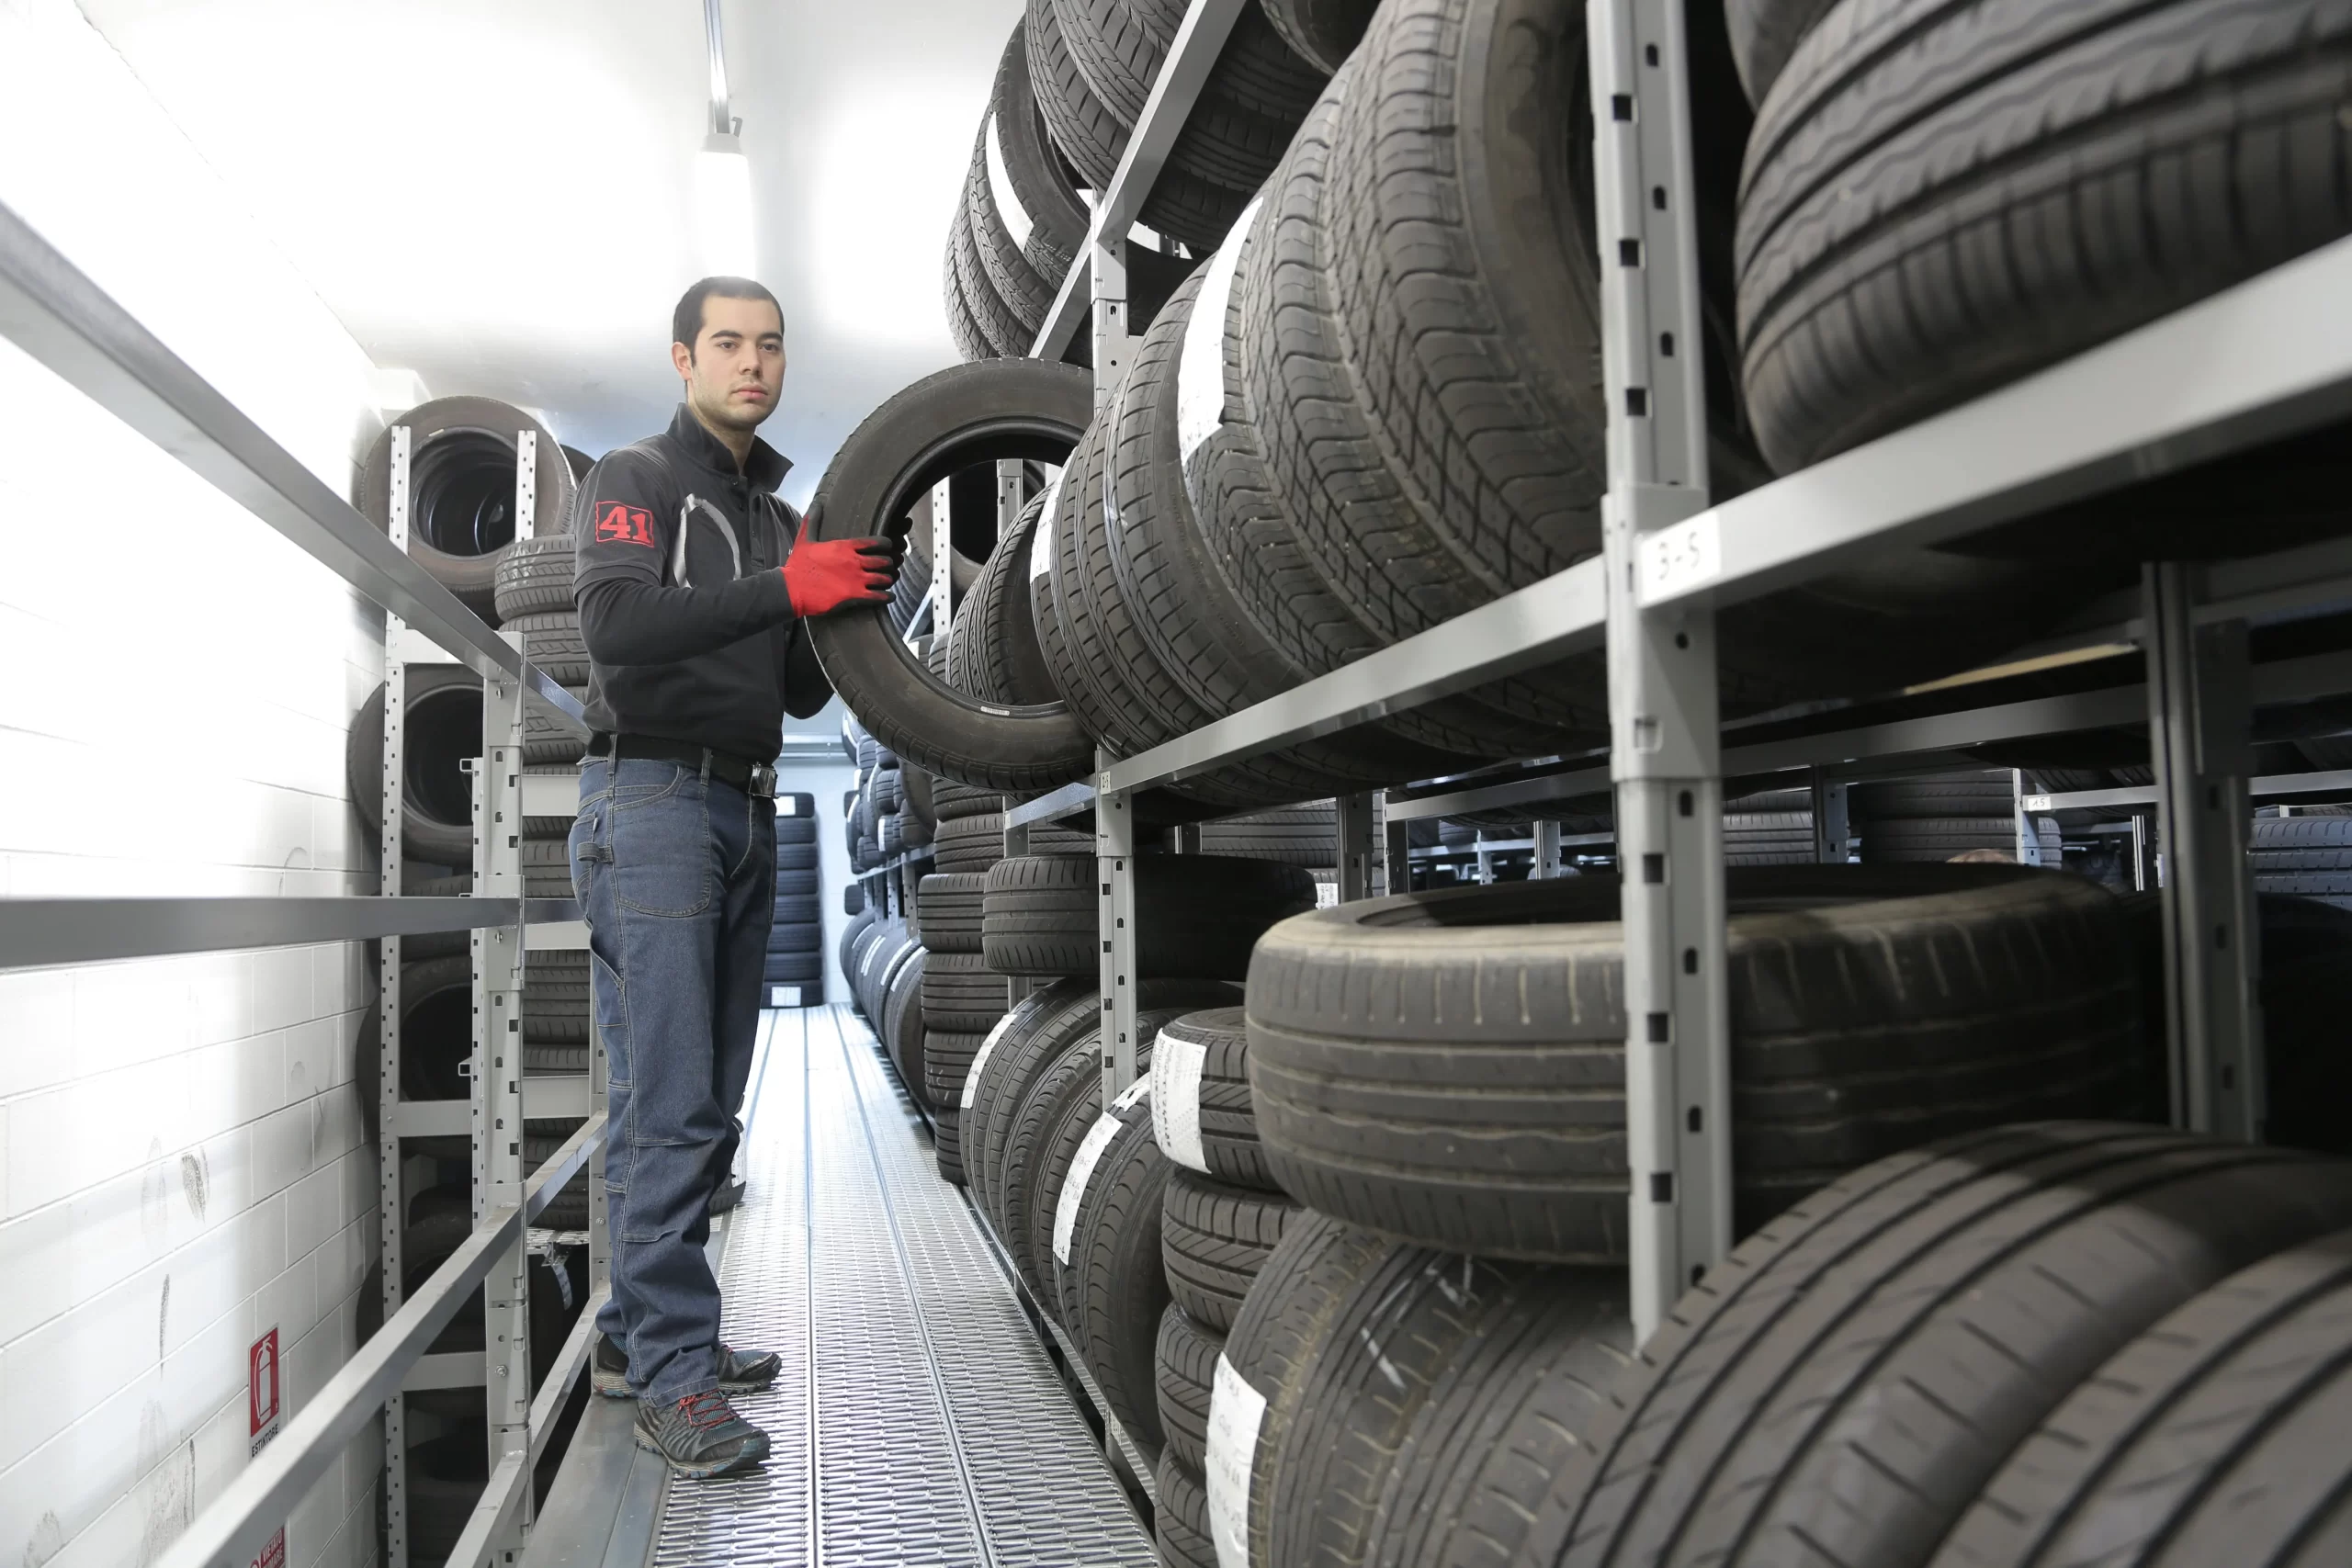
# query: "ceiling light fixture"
{"points": [[723, 233]]}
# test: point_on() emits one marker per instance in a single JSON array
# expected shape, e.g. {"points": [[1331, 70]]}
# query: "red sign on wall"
{"points": [[262, 1403], [274, 1554]]}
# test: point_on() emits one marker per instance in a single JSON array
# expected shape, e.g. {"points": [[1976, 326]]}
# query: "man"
{"points": [[693, 581]]}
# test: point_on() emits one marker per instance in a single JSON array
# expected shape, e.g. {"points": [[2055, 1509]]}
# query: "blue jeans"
{"points": [[676, 876]]}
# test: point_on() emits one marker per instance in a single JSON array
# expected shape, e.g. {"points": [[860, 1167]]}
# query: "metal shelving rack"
{"points": [[61, 319], [2267, 358], [501, 1097]]}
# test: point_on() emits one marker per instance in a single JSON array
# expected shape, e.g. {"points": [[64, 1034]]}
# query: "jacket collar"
{"points": [[765, 467]]}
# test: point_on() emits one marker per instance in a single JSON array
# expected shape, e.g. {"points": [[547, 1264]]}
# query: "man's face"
{"points": [[737, 364]]}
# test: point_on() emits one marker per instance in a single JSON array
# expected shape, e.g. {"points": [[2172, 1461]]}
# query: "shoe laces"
{"points": [[706, 1410]]}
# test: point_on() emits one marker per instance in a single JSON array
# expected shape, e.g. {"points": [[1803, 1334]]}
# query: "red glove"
{"points": [[823, 575]]}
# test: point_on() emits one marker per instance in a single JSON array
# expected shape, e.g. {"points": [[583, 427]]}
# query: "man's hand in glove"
{"points": [[823, 575]]}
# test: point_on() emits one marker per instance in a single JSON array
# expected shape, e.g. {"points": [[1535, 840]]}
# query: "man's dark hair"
{"points": [[685, 321]]}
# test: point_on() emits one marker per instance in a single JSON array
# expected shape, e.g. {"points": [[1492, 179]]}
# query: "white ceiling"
{"points": [[498, 195]]}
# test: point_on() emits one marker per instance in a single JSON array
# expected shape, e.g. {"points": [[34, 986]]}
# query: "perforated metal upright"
{"points": [[391, 1207], [1832, 820], [498, 1168], [2201, 733], [1115, 832], [1352, 828], [1115, 861], [1665, 755], [494, 1116]]}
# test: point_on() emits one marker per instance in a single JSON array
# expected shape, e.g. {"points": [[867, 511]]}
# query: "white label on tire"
{"points": [[1081, 1172], [1129, 1095], [1176, 1100], [1236, 1409], [1008, 201], [1200, 366], [980, 1058], [1041, 540]]}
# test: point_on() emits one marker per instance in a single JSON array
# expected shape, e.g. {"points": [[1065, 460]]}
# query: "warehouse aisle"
{"points": [[918, 1421]]}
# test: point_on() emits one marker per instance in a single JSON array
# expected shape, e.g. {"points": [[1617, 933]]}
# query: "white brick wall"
{"points": [[181, 1155]]}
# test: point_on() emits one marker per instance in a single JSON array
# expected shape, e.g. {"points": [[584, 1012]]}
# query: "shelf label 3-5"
{"points": [[1679, 558]]}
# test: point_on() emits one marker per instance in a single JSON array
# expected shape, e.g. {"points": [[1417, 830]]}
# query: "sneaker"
{"points": [[738, 1373], [729, 1196], [700, 1435], [608, 1370], [744, 1372]]}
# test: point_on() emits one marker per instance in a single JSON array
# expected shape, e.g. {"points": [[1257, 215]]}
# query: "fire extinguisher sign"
{"points": [[274, 1554], [263, 1406]]}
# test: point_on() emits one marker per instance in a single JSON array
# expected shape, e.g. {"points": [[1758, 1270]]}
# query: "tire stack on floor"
{"points": [[794, 975], [1222, 1215], [1076, 1191], [1427, 1357], [962, 1000]]}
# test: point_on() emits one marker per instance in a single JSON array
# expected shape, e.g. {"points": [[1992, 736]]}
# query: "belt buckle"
{"points": [[763, 782]]}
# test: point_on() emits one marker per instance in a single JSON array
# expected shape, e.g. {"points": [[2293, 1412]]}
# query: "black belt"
{"points": [[755, 779]]}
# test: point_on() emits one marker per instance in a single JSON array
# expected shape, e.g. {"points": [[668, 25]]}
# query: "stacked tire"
{"points": [[962, 1003], [1438, 1078], [1069, 88], [793, 969], [461, 494], [1222, 1215], [1092, 67], [1071, 1191], [1938, 818], [1333, 483]]}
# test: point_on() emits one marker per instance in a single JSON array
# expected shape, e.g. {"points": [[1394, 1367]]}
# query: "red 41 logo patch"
{"points": [[616, 524]]}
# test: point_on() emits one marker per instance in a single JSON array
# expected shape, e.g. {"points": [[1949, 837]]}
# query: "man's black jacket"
{"points": [[689, 628]]}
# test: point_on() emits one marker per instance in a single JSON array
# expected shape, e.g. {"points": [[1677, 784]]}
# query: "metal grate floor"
{"points": [[918, 1421]]}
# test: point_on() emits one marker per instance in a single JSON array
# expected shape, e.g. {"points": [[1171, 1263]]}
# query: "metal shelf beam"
{"points": [[2268, 358], [1910, 744], [232, 1531], [38, 932], [55, 313], [1562, 614]]}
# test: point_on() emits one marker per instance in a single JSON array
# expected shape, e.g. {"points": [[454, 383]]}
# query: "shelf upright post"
{"points": [[1397, 854], [1114, 346], [1114, 863], [1355, 831], [1016, 843], [2201, 728], [498, 960], [2029, 843], [1548, 861], [943, 578], [1011, 494], [391, 1202], [1665, 742], [1833, 822]]}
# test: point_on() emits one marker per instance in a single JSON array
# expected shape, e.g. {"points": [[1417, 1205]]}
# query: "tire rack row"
{"points": [[2265, 359], [65, 321], [501, 1100]]}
